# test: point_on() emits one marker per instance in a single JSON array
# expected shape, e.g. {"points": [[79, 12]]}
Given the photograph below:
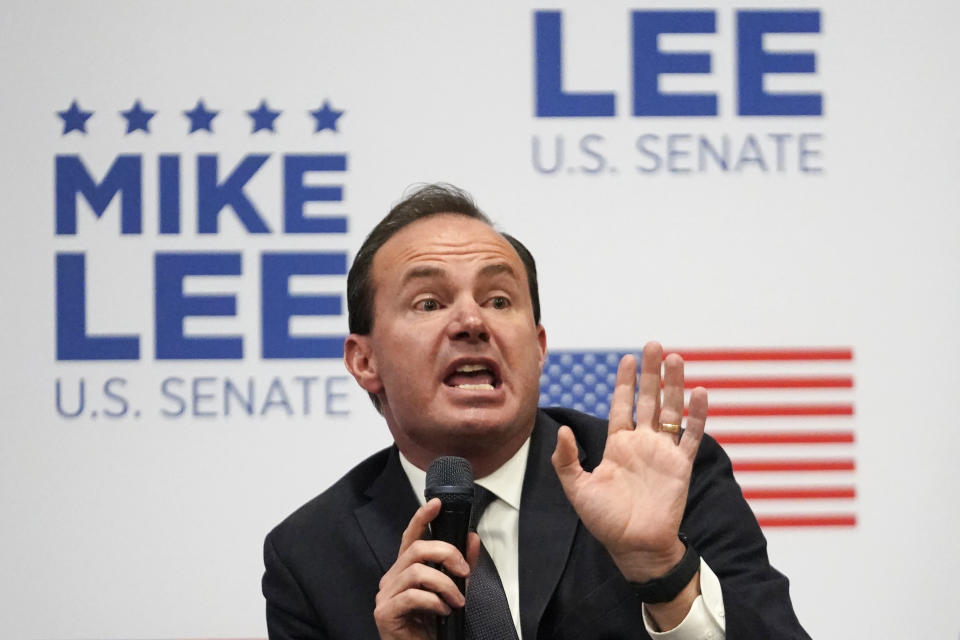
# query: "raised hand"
{"points": [[633, 501], [412, 593]]}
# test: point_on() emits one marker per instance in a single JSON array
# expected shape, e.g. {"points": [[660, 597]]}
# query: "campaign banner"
{"points": [[769, 190]]}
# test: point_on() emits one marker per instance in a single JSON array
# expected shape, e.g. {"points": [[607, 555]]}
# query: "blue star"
{"points": [[74, 118], [263, 117], [201, 118], [326, 117], [138, 118]]}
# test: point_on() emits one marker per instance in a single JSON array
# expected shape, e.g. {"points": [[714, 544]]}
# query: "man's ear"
{"points": [[360, 362], [542, 342]]}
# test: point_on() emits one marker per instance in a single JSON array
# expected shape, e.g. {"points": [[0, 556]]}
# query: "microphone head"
{"points": [[449, 478]]}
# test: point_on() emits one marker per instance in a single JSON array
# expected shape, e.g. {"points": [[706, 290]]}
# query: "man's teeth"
{"points": [[474, 377]]}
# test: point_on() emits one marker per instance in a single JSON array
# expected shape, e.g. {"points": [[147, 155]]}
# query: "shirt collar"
{"points": [[506, 482]]}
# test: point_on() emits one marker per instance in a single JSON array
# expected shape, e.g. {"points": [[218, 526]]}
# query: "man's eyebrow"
{"points": [[498, 268], [423, 272]]}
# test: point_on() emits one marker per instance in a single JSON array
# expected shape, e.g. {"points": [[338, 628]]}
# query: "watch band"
{"points": [[668, 586]]}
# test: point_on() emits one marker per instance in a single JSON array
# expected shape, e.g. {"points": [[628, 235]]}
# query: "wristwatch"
{"points": [[667, 587]]}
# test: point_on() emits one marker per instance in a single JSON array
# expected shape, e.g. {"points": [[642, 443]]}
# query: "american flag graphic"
{"points": [[784, 415]]}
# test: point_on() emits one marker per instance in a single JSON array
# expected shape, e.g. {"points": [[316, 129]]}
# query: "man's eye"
{"points": [[500, 302], [428, 305]]}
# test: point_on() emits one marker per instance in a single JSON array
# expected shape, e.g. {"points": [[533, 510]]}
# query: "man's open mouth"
{"points": [[474, 377]]}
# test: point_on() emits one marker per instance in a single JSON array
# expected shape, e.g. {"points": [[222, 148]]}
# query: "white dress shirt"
{"points": [[499, 528]]}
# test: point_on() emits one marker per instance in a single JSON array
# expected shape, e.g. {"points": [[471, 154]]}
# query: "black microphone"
{"points": [[451, 479]]}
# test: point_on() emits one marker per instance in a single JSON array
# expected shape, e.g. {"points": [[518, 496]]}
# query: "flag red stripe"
{"points": [[769, 410], [798, 493], [844, 520], [784, 437], [772, 382], [710, 355], [844, 464]]}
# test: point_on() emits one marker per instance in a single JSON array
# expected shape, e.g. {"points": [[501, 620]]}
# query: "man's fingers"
{"points": [[648, 400], [414, 549], [696, 421], [436, 552], [417, 529], [621, 404], [671, 412], [414, 585], [566, 460], [422, 577], [409, 602]]}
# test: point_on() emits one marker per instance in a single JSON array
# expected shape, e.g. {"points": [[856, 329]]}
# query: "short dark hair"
{"points": [[426, 201]]}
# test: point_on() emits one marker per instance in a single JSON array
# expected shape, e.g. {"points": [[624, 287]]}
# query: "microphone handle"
{"points": [[451, 525]]}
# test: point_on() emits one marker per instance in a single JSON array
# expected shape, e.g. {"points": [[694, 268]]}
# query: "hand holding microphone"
{"points": [[450, 479], [425, 585]]}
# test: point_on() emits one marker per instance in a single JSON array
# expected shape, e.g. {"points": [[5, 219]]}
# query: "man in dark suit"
{"points": [[601, 542]]}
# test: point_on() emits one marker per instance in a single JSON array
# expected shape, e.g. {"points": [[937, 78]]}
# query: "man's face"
{"points": [[454, 354]]}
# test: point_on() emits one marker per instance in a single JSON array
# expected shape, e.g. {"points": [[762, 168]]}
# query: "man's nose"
{"points": [[468, 323]]}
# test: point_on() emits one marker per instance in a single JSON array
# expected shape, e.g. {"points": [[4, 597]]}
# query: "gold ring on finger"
{"points": [[669, 427]]}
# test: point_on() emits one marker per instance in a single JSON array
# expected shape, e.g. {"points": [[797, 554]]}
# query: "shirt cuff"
{"points": [[704, 621]]}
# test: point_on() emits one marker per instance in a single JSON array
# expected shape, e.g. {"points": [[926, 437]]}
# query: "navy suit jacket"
{"points": [[324, 562]]}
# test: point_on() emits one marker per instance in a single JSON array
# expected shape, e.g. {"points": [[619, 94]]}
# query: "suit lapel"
{"points": [[384, 518], [547, 527]]}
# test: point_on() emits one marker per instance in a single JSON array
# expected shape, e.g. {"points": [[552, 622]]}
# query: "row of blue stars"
{"points": [[200, 117]]}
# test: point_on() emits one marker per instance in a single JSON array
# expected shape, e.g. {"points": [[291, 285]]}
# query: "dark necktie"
{"points": [[488, 614]]}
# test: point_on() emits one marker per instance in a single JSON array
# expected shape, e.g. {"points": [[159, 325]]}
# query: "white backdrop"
{"points": [[142, 515]]}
